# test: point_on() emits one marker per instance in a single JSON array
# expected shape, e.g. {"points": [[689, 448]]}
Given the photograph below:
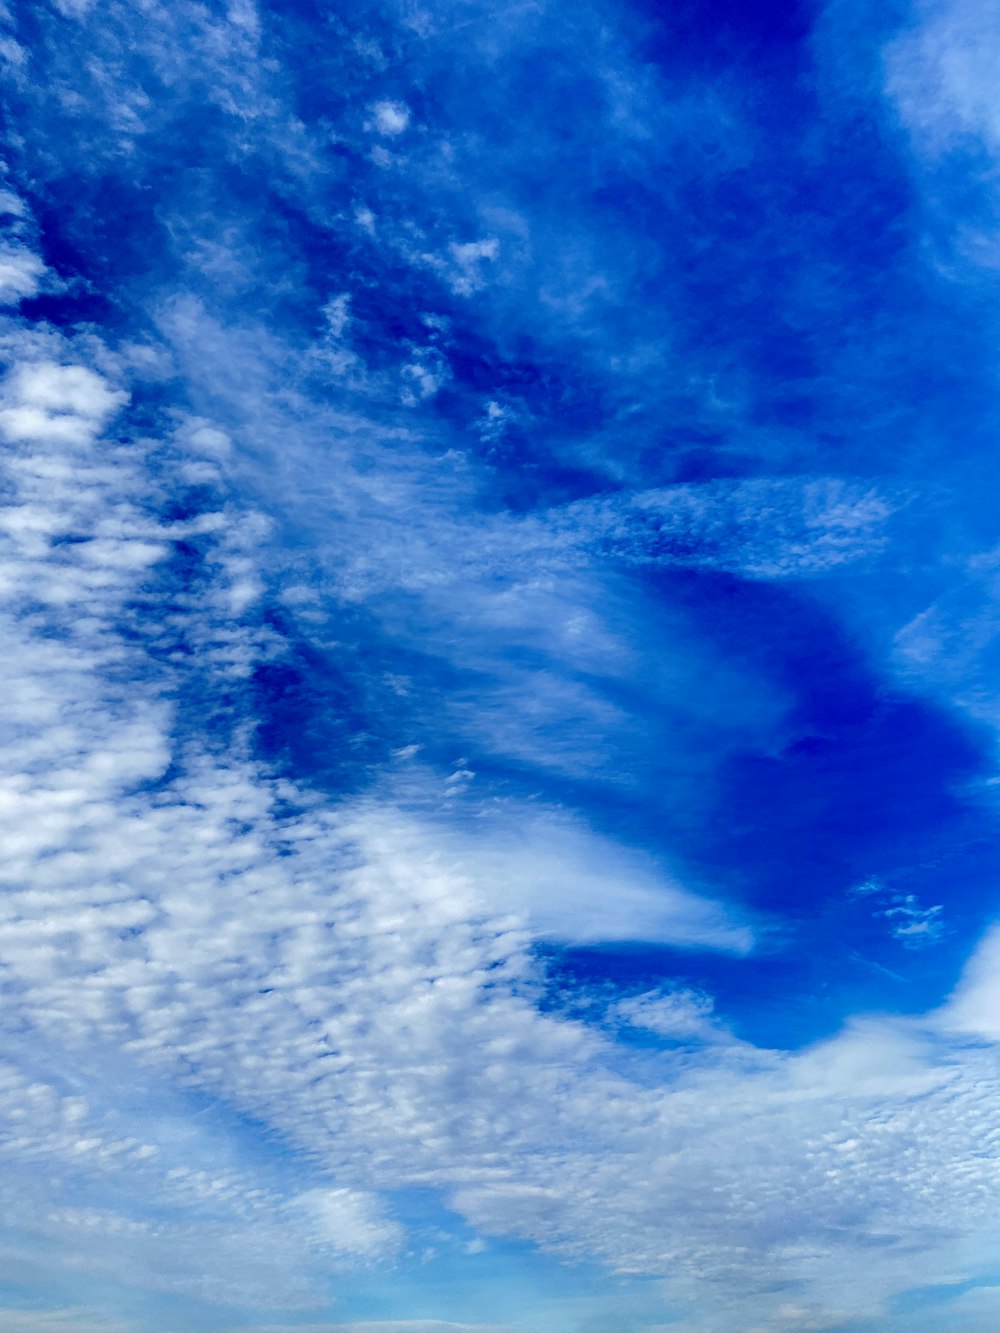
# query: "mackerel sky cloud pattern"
{"points": [[498, 730]]}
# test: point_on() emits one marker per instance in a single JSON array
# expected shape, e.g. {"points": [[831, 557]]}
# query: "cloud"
{"points": [[463, 265], [43, 401], [910, 923], [939, 83], [678, 1015], [914, 925], [950, 646], [974, 1006], [21, 272], [579, 888], [938, 74], [774, 529], [351, 1222], [391, 118]]}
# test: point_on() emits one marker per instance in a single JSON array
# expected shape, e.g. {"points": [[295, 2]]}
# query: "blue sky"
{"points": [[498, 760]]}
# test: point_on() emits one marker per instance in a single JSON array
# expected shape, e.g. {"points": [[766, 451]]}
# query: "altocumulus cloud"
{"points": [[336, 961]]}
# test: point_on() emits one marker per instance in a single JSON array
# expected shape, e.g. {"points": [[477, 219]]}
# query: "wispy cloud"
{"points": [[914, 925]]}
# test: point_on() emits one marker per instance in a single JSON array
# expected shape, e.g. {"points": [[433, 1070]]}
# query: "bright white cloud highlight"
{"points": [[391, 118], [21, 273]]}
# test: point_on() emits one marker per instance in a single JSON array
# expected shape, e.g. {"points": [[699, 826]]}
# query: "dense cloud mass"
{"points": [[499, 573]]}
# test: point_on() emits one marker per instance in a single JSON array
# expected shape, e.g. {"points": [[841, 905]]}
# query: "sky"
{"points": [[500, 568]]}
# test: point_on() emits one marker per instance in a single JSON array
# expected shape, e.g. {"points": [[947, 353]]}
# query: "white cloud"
{"points": [[913, 925], [974, 1007], [940, 74], [468, 258], [951, 647], [44, 401], [577, 887], [21, 273], [761, 529], [351, 1222], [463, 265], [681, 1015], [11, 204], [939, 79], [391, 118], [423, 375]]}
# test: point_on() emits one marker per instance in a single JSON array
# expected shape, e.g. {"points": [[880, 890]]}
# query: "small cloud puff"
{"points": [[463, 265], [679, 1015], [46, 401], [424, 374], [391, 118], [468, 259], [337, 312]]}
